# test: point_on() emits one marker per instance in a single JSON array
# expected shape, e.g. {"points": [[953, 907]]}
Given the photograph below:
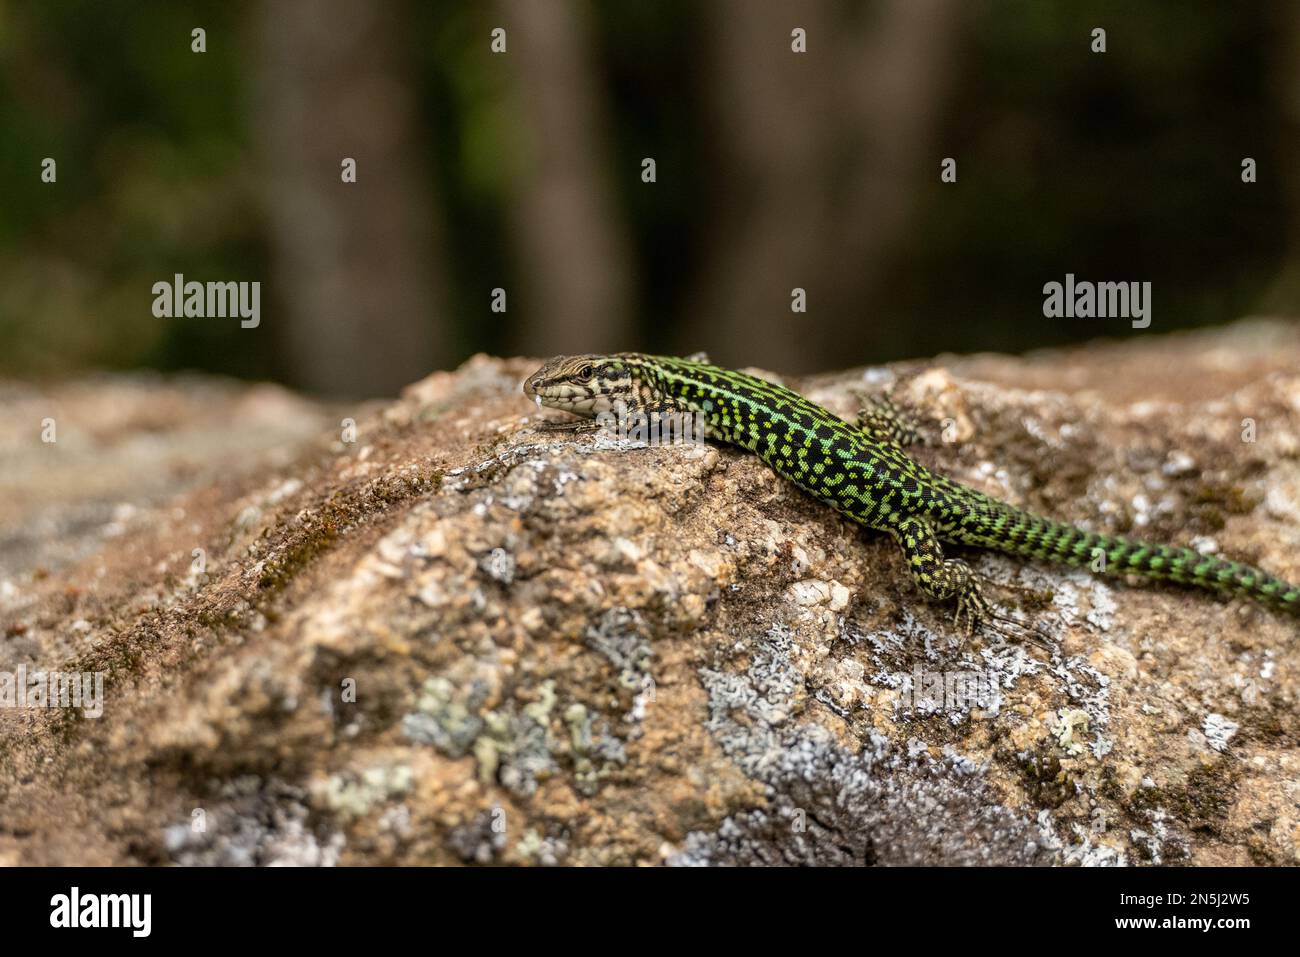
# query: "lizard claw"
{"points": [[973, 607], [978, 613], [1034, 633]]}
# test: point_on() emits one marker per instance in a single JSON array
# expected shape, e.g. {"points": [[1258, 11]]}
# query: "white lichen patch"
{"points": [[355, 795], [1069, 724], [1218, 731]]}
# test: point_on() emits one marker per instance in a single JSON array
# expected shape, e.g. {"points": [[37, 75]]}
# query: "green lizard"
{"points": [[864, 472]]}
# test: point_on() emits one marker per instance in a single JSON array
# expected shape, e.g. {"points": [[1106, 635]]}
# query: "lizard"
{"points": [[863, 471]]}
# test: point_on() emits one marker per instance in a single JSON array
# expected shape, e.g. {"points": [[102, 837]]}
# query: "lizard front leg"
{"points": [[938, 577], [883, 421]]}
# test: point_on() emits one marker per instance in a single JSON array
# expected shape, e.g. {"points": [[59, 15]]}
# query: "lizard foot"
{"points": [[577, 425], [884, 421], [972, 607], [979, 614]]}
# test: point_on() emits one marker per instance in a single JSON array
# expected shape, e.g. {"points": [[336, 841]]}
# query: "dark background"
{"points": [[522, 171]]}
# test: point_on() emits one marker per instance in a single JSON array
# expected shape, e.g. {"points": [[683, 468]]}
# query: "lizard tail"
{"points": [[1021, 533]]}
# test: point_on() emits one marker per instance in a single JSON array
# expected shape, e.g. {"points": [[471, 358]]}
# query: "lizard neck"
{"points": [[738, 408]]}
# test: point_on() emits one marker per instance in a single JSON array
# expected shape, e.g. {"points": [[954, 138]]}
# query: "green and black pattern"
{"points": [[863, 471]]}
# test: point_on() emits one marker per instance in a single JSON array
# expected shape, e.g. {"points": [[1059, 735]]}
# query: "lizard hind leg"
{"points": [[951, 579], [940, 578]]}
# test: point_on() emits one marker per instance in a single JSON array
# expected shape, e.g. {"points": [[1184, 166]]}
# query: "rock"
{"points": [[466, 637]]}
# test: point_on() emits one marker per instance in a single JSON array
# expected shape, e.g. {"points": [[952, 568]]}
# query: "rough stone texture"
{"points": [[569, 649], [122, 444]]}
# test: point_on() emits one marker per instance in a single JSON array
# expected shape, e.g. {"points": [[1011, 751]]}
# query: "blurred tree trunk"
{"points": [[572, 248], [355, 262], [825, 147]]}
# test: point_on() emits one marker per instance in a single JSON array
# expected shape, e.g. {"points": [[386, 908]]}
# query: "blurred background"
{"points": [[523, 171]]}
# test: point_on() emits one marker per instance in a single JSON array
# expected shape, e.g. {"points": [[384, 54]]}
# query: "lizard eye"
{"points": [[585, 373]]}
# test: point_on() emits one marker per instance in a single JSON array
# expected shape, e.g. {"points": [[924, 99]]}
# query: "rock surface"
{"points": [[470, 637]]}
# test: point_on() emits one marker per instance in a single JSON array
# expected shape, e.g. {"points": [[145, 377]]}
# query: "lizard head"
{"points": [[585, 385]]}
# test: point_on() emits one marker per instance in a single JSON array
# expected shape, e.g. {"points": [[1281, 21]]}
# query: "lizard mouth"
{"points": [[540, 391], [558, 394]]}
